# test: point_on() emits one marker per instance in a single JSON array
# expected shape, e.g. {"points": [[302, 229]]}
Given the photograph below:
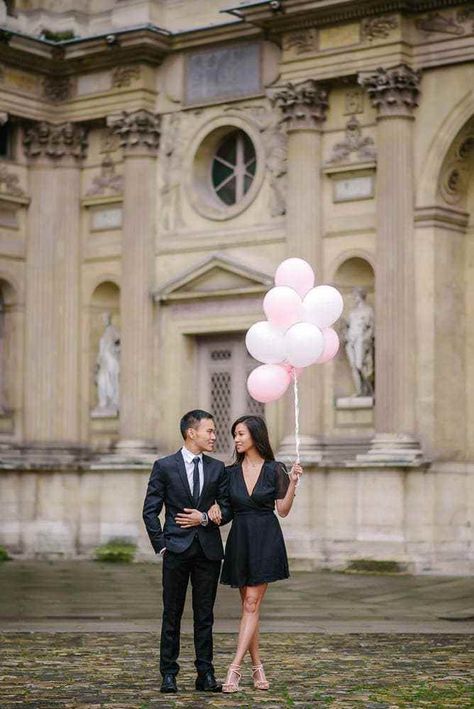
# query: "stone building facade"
{"points": [[159, 158]]}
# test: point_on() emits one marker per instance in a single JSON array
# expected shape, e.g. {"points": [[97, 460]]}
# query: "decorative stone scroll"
{"points": [[55, 141], [301, 41], [373, 28], [124, 76], [393, 92], [436, 22], [302, 105], [137, 130], [353, 143], [456, 172]]}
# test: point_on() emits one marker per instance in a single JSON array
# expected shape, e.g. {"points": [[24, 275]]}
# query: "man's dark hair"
{"points": [[192, 418]]}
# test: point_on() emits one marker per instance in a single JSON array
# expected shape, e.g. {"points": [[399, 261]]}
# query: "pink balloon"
{"points": [[289, 368], [331, 345], [268, 382], [283, 306], [296, 273]]}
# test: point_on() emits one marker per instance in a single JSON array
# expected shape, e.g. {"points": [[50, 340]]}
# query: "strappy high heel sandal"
{"points": [[259, 679], [232, 680]]}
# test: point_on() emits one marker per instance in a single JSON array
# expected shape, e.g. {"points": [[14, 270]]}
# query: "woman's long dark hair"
{"points": [[259, 434]]}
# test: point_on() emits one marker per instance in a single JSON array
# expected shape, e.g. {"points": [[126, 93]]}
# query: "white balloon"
{"points": [[296, 273], [304, 344], [323, 305], [266, 343]]}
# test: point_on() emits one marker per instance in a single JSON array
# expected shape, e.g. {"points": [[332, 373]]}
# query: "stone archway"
{"points": [[445, 303]]}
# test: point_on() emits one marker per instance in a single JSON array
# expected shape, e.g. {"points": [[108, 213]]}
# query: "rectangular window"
{"points": [[224, 365]]}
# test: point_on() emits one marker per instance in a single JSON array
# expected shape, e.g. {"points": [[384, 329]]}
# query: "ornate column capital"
{"points": [[393, 92], [55, 141], [303, 105], [137, 130]]}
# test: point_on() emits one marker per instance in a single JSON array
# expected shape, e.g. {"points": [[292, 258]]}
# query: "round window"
{"points": [[233, 167]]}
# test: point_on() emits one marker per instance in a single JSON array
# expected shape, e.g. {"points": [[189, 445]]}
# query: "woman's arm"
{"points": [[285, 504]]}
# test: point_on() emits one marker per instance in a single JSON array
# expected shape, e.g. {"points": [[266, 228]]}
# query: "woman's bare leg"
{"points": [[254, 648], [252, 599]]}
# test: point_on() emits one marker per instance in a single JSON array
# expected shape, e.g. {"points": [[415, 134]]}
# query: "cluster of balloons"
{"points": [[297, 331]]}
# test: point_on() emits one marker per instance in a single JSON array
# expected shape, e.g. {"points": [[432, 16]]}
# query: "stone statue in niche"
{"points": [[107, 370], [359, 343]]}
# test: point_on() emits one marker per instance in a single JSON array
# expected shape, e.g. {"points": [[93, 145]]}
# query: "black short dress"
{"points": [[255, 550]]}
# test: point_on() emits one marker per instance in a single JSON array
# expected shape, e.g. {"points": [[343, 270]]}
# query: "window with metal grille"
{"points": [[224, 365]]}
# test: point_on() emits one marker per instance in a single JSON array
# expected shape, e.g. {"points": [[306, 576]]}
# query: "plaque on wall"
{"points": [[223, 73], [348, 189], [106, 218]]}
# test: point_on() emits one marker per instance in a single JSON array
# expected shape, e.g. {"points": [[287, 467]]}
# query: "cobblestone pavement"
{"points": [[84, 635], [306, 670]]}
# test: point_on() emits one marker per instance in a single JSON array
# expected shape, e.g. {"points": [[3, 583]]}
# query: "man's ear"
{"points": [[191, 433]]}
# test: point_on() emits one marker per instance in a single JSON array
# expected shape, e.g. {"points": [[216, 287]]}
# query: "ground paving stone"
{"points": [[85, 635], [44, 670]]}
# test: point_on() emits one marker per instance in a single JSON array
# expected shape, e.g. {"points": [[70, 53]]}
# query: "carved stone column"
{"points": [[394, 93], [303, 107], [139, 134], [51, 408]]}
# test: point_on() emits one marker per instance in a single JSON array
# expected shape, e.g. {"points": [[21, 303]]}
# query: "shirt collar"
{"points": [[188, 456]]}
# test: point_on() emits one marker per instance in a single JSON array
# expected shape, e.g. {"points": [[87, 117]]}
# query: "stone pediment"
{"points": [[216, 277]]}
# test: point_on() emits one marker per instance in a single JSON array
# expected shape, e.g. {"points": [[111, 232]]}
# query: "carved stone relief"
{"points": [[353, 101], [108, 181], [9, 183], [57, 88], [123, 76], [301, 41], [109, 142], [274, 138], [457, 170], [55, 141], [440, 23], [354, 144], [377, 27], [173, 142]]}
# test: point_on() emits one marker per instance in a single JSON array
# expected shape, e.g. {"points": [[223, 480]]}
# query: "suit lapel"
{"points": [[182, 474]]}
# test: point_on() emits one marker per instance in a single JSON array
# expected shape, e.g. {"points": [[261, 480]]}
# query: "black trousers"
{"points": [[204, 574]]}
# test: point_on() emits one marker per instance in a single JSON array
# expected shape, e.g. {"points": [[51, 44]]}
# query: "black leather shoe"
{"points": [[207, 683], [168, 686]]}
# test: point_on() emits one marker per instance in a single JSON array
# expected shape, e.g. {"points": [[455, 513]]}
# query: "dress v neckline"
{"points": [[256, 482]]}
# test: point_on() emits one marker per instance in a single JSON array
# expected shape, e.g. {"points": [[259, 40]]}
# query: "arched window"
{"points": [[233, 167]]}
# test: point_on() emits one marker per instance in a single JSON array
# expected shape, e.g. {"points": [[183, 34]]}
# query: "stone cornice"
{"points": [[298, 14]]}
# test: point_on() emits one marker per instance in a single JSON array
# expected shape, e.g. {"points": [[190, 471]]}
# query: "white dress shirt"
{"points": [[188, 458]]}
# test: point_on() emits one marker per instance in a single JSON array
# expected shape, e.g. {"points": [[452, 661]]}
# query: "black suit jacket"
{"points": [[168, 486]]}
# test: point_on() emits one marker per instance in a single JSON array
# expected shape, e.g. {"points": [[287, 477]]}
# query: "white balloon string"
{"points": [[297, 416]]}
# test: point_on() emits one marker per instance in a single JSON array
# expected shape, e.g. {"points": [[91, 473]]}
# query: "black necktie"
{"points": [[196, 481]]}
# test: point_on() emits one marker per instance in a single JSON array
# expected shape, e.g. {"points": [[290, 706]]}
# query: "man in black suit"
{"points": [[188, 483]]}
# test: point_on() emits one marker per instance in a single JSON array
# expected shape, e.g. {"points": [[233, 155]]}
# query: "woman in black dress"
{"points": [[255, 552]]}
